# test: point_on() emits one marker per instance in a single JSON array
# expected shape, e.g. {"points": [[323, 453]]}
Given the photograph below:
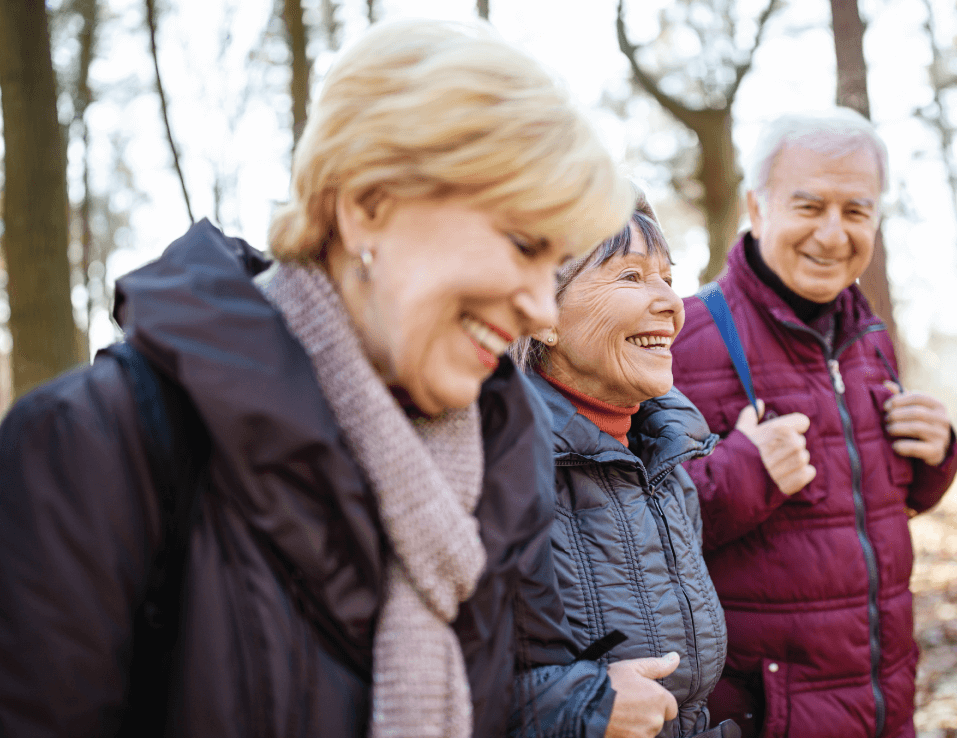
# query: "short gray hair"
{"points": [[836, 132]]}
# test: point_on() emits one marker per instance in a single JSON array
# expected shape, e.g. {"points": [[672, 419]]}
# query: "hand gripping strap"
{"points": [[713, 298]]}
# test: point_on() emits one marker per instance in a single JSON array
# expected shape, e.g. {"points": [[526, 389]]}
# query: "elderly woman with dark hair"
{"points": [[627, 535]]}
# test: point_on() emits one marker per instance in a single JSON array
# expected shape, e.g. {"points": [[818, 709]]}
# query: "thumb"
{"points": [[748, 419], [656, 668]]}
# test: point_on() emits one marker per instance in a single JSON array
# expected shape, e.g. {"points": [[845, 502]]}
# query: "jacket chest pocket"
{"points": [[900, 469]]}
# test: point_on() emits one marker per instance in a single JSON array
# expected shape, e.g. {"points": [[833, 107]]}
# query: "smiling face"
{"points": [[817, 227], [616, 326], [448, 288]]}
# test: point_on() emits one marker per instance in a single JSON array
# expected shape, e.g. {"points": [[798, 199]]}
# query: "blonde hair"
{"points": [[530, 353], [433, 109]]}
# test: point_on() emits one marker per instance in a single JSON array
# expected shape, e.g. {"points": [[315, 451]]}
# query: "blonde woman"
{"points": [[376, 511]]}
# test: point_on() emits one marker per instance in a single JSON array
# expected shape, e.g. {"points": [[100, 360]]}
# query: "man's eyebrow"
{"points": [[861, 202]]}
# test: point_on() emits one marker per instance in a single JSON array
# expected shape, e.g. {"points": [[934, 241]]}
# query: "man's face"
{"points": [[817, 228]]}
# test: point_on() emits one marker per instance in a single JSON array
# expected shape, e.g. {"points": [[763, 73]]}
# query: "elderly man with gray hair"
{"points": [[805, 499]]}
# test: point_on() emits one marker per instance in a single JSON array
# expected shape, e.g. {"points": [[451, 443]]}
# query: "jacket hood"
{"points": [[665, 432]]}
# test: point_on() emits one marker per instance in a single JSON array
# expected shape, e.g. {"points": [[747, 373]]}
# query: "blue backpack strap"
{"points": [[713, 298]]}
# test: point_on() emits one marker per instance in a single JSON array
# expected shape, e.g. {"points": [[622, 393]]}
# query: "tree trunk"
{"points": [[292, 17], [481, 6], [852, 93], [35, 208], [719, 177], [84, 96]]}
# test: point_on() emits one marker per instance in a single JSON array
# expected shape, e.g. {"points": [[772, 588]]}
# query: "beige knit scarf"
{"points": [[426, 475]]}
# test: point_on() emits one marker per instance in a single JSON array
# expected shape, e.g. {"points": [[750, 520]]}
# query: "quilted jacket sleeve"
{"points": [[931, 482], [74, 546]]}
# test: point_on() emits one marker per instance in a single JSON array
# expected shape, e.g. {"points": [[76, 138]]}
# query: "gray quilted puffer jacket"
{"points": [[627, 545]]}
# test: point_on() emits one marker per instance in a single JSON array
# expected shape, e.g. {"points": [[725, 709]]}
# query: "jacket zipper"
{"points": [[696, 672], [860, 511]]}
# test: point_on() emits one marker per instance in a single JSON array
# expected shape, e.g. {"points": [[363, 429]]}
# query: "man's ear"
{"points": [[754, 213]]}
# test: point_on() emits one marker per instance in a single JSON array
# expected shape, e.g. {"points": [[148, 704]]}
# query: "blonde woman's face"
{"points": [[448, 288]]}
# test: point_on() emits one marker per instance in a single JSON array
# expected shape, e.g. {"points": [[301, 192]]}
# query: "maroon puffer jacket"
{"points": [[815, 586]]}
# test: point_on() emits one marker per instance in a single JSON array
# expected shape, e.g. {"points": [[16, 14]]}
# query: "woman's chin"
{"points": [[436, 398]]}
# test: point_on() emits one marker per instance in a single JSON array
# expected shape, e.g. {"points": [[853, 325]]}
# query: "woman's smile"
{"points": [[489, 340]]}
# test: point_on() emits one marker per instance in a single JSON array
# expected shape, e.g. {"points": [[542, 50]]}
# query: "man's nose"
{"points": [[830, 231]]}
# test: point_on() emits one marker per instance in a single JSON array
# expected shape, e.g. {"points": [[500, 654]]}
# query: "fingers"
{"points": [[656, 668], [641, 704], [748, 419], [783, 449], [928, 452], [921, 424]]}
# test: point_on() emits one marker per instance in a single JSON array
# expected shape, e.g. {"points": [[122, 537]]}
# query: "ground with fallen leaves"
{"points": [[934, 584]]}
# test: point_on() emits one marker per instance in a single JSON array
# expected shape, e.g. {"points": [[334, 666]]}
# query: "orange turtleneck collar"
{"points": [[612, 419]]}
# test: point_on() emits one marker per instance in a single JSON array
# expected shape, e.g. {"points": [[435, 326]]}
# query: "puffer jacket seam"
{"points": [[637, 580], [593, 611], [686, 527]]}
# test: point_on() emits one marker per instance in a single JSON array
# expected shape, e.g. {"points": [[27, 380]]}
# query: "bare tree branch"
{"points": [[151, 24], [939, 119], [684, 114], [741, 70]]}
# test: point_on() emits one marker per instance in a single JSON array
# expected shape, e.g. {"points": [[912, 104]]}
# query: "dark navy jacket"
{"points": [[627, 546], [79, 527]]}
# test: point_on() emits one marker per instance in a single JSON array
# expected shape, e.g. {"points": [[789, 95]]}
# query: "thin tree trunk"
{"points": [[481, 6], [88, 11], [35, 208], [852, 93], [292, 17], [370, 11], [720, 178], [151, 23]]}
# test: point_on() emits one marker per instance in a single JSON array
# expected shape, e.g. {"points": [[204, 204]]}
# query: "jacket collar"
{"points": [[851, 307], [665, 432]]}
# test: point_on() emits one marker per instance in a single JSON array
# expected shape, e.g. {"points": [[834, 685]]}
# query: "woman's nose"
{"points": [[667, 300], [537, 305]]}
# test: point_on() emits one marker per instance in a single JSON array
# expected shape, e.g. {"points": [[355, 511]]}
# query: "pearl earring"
{"points": [[365, 263]]}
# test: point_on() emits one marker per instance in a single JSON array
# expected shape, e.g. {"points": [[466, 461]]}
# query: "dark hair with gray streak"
{"points": [[529, 352]]}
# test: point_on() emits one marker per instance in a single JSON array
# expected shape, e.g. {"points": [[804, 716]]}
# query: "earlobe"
{"points": [[548, 336], [351, 218]]}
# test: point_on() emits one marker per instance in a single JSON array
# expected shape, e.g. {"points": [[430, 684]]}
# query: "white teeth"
{"points": [[822, 262], [484, 336], [651, 341]]}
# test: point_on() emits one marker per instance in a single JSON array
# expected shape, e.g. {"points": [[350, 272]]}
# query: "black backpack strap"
{"points": [[178, 449]]}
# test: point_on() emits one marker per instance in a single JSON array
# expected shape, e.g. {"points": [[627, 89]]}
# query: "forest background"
{"points": [[124, 120]]}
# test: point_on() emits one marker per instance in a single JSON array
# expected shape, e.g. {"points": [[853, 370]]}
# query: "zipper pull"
{"points": [[836, 375]]}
